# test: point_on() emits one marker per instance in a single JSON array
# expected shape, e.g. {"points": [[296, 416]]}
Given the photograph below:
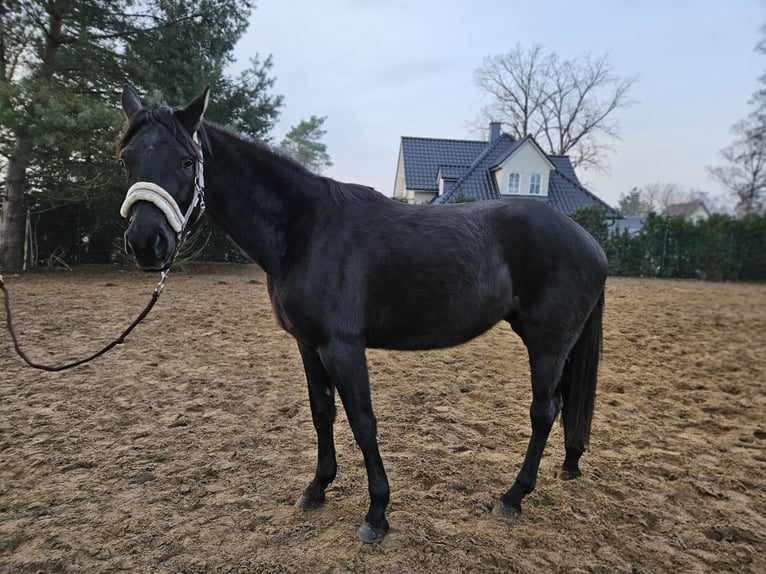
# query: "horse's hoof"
{"points": [[509, 511], [306, 503], [569, 474], [370, 535]]}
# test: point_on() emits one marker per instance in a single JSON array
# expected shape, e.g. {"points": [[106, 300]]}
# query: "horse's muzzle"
{"points": [[149, 240]]}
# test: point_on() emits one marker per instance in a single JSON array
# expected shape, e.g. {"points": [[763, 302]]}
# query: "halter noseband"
{"points": [[157, 195]]}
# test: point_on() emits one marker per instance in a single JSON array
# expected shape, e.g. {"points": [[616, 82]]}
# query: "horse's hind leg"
{"points": [[546, 372], [322, 399]]}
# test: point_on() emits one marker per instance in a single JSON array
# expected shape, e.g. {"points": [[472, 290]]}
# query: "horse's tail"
{"points": [[579, 381]]}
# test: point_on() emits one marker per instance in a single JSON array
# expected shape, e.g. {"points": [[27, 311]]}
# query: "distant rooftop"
{"points": [[468, 167]]}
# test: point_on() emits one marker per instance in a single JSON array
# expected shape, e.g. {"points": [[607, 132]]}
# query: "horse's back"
{"points": [[442, 275], [419, 277], [526, 234]]}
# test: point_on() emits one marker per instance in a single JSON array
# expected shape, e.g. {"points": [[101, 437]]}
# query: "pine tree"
{"points": [[632, 204], [303, 143], [62, 65], [174, 63], [56, 119]]}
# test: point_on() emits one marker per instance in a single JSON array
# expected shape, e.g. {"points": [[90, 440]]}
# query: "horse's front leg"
{"points": [[322, 399], [347, 366]]}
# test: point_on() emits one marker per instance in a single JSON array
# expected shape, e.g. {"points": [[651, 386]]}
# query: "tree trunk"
{"points": [[12, 217]]}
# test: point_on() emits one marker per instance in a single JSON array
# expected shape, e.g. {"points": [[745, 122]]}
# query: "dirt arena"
{"points": [[186, 448]]}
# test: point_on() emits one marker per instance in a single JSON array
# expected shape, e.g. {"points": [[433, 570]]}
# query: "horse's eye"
{"points": [[188, 163], [121, 162]]}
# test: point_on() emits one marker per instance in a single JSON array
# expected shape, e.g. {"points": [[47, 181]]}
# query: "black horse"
{"points": [[349, 268]]}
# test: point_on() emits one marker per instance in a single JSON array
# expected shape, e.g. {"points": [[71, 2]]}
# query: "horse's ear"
{"points": [[131, 102], [191, 115]]}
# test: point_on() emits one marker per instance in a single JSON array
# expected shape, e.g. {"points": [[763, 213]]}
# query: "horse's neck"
{"points": [[252, 197]]}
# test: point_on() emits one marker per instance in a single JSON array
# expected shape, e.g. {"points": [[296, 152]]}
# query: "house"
{"points": [[692, 210], [631, 225], [444, 171]]}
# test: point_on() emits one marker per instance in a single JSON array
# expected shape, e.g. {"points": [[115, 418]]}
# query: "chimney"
{"points": [[494, 131]]}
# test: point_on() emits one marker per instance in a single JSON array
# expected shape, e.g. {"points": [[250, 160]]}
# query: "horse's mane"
{"points": [[347, 192], [261, 146], [159, 114], [338, 191]]}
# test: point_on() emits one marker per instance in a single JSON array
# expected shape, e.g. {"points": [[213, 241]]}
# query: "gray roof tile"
{"points": [[567, 194], [452, 171], [470, 163], [423, 156]]}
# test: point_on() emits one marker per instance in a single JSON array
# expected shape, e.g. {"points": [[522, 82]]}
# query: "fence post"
{"points": [[729, 253], [664, 251], [27, 228]]}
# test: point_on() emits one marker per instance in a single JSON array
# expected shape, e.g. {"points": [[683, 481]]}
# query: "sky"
{"points": [[383, 69]]}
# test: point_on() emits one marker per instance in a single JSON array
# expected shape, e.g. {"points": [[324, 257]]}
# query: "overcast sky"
{"points": [[382, 69]]}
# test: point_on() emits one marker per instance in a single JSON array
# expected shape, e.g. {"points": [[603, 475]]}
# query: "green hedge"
{"points": [[720, 248]]}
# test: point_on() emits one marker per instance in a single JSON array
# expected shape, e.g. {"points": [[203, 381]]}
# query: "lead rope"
{"points": [[197, 201], [118, 341]]}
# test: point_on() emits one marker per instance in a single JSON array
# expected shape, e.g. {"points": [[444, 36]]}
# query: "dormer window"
{"points": [[514, 183], [526, 171], [534, 184]]}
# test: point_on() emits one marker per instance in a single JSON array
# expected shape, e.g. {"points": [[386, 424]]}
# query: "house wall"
{"points": [[419, 197], [698, 214], [526, 160], [446, 185], [400, 191]]}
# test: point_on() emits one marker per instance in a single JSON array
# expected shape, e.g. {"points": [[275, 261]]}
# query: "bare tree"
{"points": [[657, 196], [568, 106], [744, 170]]}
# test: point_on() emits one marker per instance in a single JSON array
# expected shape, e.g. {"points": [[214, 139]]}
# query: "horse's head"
{"points": [[162, 156]]}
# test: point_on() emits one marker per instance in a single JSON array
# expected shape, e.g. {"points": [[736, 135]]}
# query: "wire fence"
{"points": [[720, 248], [77, 235]]}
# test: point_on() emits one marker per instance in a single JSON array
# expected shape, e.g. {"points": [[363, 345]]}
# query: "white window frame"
{"points": [[535, 184], [514, 175]]}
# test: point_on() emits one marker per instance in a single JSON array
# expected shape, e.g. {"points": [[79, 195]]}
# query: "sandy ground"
{"points": [[186, 448]]}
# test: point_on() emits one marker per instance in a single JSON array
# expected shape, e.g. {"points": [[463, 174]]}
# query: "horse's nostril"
{"points": [[160, 246], [147, 249], [129, 247]]}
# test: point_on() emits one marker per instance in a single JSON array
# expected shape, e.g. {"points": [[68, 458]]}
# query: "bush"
{"points": [[593, 220], [720, 248]]}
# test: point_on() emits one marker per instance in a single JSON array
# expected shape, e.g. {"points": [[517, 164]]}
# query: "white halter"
{"points": [[153, 193], [157, 195]]}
